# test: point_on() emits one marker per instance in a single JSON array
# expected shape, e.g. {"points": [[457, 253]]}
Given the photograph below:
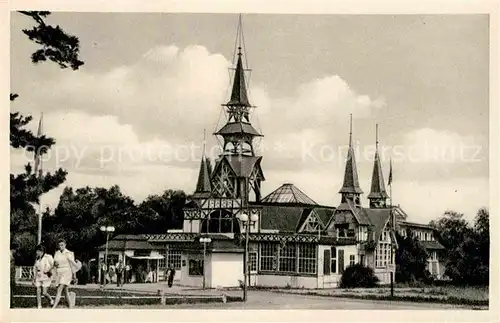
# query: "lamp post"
{"points": [[204, 241], [246, 221], [108, 230]]}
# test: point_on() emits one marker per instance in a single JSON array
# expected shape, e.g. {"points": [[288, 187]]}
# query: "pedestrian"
{"points": [[111, 273], [127, 274], [171, 275], [42, 275], [119, 274], [66, 267]]}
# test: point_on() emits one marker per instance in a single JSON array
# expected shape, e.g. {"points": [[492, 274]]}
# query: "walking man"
{"points": [[119, 274]]}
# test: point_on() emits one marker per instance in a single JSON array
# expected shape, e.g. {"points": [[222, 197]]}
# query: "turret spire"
{"points": [[350, 189], [203, 185], [378, 194]]}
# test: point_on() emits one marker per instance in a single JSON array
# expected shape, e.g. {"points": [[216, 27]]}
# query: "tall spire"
{"points": [[378, 194], [238, 133], [204, 185], [239, 95], [350, 189]]}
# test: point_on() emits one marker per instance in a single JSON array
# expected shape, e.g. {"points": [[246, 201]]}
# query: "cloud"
{"points": [[141, 127]]}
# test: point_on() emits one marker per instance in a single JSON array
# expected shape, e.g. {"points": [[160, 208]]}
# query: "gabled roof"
{"points": [[238, 128], [379, 218], [239, 93], [288, 194], [359, 213]]}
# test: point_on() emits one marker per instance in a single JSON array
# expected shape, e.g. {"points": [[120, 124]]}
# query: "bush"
{"points": [[358, 276]]}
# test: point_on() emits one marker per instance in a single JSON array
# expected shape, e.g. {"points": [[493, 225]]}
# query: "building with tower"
{"points": [[292, 240]]}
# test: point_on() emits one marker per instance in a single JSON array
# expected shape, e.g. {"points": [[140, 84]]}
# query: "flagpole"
{"points": [[393, 227], [38, 173]]}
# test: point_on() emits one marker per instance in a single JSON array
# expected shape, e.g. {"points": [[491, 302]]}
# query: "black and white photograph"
{"points": [[250, 161]]}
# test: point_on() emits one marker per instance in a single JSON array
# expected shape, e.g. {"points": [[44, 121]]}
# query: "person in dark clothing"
{"points": [[119, 274], [171, 274]]}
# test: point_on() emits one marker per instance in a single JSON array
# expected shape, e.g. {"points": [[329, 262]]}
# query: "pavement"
{"points": [[261, 299]]}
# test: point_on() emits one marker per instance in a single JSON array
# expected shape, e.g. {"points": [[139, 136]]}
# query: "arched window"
{"points": [[220, 221]]}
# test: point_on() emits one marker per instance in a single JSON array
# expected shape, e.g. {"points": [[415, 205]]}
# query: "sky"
{"points": [[135, 114]]}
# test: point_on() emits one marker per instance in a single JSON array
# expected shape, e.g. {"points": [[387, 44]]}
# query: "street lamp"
{"points": [[108, 230], [246, 221], [204, 241]]}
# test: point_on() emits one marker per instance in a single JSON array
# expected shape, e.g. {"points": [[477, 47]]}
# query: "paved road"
{"points": [[271, 300]]}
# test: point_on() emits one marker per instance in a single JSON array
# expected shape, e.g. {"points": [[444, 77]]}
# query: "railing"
{"points": [[24, 273]]}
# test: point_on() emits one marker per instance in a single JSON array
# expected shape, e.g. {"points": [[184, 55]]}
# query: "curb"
{"points": [[409, 299]]}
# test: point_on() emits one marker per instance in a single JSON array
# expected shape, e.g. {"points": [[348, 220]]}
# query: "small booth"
{"points": [[143, 258]]}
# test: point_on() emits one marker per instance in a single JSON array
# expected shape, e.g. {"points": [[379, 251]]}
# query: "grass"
{"points": [[447, 294], [111, 297]]}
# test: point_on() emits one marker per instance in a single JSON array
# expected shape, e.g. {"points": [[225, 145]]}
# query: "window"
{"points": [[363, 233], [252, 260], [307, 259], [333, 261], [352, 260], [267, 257], [433, 255], [287, 258], [383, 254], [162, 264], [220, 221], [195, 267], [174, 258]]}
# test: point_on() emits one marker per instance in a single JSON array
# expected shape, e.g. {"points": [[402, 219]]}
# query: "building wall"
{"points": [[284, 281], [226, 269], [186, 279], [333, 279]]}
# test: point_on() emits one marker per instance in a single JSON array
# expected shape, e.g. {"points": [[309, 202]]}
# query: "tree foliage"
{"points": [[467, 260], [27, 187], [56, 45], [358, 275], [81, 212], [411, 259]]}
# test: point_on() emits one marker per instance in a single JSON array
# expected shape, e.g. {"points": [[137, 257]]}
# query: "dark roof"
{"points": [[378, 185], [239, 93], [432, 245], [282, 218], [225, 246], [203, 185], [378, 218], [351, 182], [325, 214], [129, 242], [358, 213], [242, 165], [290, 194], [415, 225], [238, 128]]}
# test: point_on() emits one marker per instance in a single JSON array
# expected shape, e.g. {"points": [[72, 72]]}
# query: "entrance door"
{"points": [[341, 261]]}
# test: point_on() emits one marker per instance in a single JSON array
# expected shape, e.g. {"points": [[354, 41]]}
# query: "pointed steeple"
{"points": [[378, 194], [239, 95], [204, 185], [350, 189]]}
